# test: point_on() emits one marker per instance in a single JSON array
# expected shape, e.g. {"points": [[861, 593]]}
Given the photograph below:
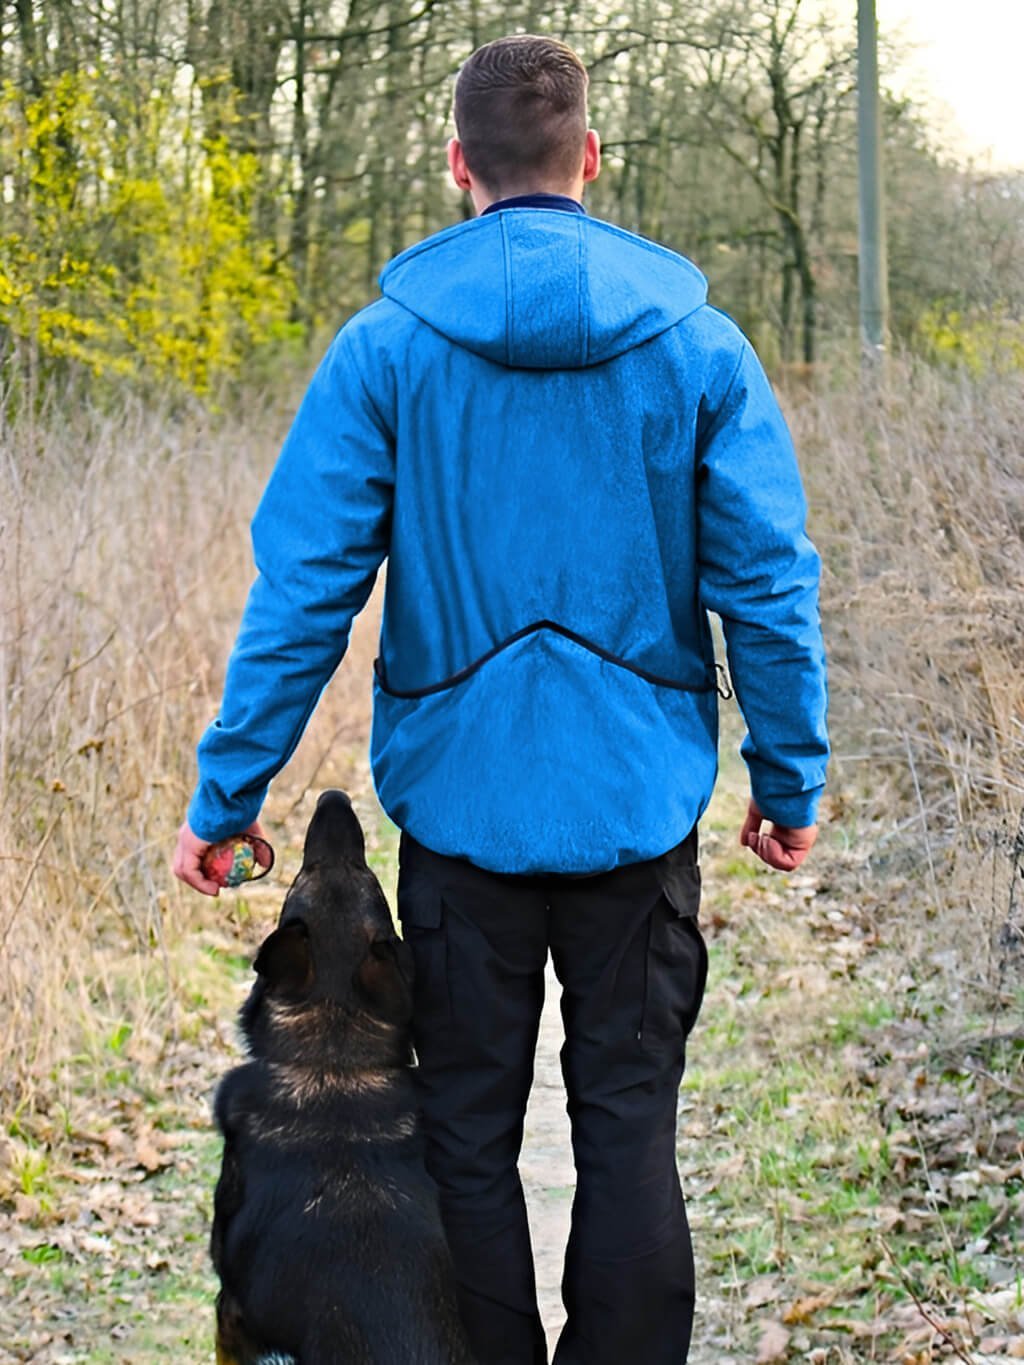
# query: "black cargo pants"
{"points": [[632, 966]]}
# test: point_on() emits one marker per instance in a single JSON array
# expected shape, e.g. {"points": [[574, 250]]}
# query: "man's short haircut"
{"points": [[521, 112]]}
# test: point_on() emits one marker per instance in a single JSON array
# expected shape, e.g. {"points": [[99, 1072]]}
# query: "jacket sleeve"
{"points": [[759, 572], [319, 535]]}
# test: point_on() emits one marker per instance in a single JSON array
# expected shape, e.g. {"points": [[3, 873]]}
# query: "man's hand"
{"points": [[779, 846], [189, 852]]}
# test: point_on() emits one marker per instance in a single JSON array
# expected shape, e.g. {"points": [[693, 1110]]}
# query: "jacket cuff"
{"points": [[212, 821], [796, 811]]}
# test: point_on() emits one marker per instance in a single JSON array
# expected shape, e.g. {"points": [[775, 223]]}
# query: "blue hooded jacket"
{"points": [[568, 458]]}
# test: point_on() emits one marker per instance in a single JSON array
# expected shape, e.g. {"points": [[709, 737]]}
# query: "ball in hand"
{"points": [[229, 863]]}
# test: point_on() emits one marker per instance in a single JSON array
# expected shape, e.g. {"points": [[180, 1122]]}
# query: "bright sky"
{"points": [[969, 56]]}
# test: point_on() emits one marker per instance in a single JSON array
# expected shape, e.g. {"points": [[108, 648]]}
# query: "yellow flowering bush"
{"points": [[130, 249], [980, 342]]}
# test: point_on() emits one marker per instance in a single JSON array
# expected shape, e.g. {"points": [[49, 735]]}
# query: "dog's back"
{"points": [[327, 1236]]}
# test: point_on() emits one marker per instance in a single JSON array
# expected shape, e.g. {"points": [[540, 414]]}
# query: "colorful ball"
{"points": [[231, 862]]}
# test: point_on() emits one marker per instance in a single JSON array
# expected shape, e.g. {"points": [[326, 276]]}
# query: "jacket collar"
{"points": [[539, 200]]}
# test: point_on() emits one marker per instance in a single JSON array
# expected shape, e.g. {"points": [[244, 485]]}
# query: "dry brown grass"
{"points": [[124, 563], [123, 567], [917, 490], [919, 493]]}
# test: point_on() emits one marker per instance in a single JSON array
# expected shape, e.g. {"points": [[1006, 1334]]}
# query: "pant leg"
{"points": [[479, 944], [633, 969]]}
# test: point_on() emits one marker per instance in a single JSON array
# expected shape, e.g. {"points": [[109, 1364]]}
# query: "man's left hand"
{"points": [[780, 846]]}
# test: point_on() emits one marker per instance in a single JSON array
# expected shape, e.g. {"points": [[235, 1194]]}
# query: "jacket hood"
{"points": [[543, 289]]}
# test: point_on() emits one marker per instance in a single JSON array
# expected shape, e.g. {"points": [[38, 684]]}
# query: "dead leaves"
{"points": [[801, 1311], [775, 1337], [773, 1345], [918, 1333], [761, 1291], [836, 1116], [153, 1151], [114, 1212]]}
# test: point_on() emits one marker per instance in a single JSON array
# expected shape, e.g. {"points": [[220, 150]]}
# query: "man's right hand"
{"points": [[783, 847], [189, 852]]}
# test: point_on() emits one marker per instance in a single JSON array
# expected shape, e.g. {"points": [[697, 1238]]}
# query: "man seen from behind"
{"points": [[568, 458]]}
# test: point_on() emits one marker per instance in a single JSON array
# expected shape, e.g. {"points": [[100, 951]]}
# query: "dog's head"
{"points": [[334, 978]]}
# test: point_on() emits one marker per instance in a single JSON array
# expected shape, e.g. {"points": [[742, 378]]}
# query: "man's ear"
{"points": [[284, 960], [591, 156], [457, 164], [384, 981]]}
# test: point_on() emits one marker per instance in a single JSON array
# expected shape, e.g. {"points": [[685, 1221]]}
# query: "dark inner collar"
{"points": [[541, 199]]}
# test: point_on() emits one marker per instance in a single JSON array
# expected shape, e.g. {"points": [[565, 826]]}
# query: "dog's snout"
{"points": [[334, 833]]}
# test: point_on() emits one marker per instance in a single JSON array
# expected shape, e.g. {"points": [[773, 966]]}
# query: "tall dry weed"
{"points": [[916, 482], [124, 563]]}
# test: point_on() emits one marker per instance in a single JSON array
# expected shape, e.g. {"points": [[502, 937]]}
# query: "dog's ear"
{"points": [[384, 981], [284, 960]]}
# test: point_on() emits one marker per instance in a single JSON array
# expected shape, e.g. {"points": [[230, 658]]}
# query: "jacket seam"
{"points": [[718, 417], [345, 340], [583, 328], [463, 674], [510, 303]]}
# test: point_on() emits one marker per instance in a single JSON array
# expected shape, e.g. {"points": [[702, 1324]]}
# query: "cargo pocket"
{"points": [[677, 963], [680, 882], [421, 915]]}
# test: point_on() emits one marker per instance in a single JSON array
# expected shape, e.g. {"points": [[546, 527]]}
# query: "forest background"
{"points": [[195, 194]]}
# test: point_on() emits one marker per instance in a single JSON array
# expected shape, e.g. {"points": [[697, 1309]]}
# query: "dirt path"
{"points": [[549, 1180], [546, 1164]]}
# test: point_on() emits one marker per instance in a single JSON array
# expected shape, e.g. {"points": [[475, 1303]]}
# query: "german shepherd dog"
{"points": [[326, 1231]]}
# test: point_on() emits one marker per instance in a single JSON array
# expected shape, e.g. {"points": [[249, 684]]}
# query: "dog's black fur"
{"points": [[326, 1232]]}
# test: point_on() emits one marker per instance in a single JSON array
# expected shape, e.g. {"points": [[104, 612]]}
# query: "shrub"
{"points": [[128, 246]]}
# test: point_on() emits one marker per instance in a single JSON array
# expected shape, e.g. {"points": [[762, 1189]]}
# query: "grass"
{"points": [[125, 564], [115, 1303], [917, 501]]}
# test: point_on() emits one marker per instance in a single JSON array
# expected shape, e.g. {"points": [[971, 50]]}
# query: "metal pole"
{"points": [[873, 272]]}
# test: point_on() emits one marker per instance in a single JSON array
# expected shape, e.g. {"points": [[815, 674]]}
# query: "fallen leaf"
{"points": [[760, 1291], [728, 1169], [998, 1303], [773, 1348], [147, 1156], [886, 1217], [26, 1208], [802, 1310], [858, 1328]]}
